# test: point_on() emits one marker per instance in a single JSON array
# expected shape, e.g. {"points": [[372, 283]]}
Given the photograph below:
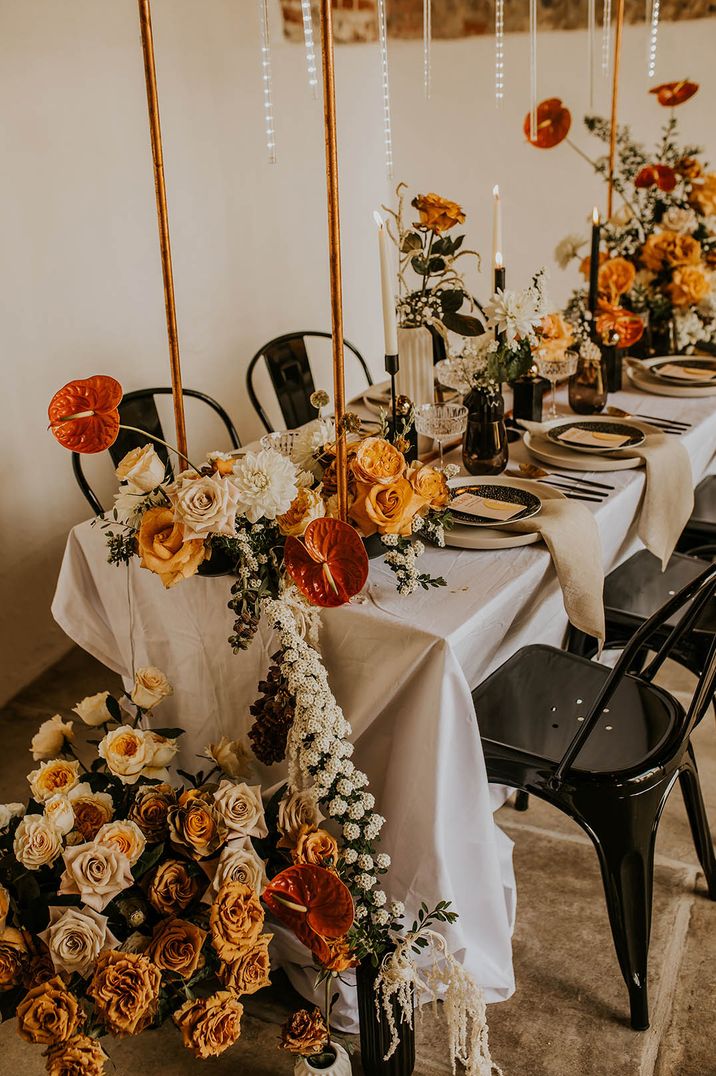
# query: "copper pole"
{"points": [[334, 251], [145, 22], [615, 96]]}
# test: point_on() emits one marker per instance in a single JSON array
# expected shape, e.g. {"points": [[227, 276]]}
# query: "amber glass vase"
{"points": [[484, 448], [588, 386]]}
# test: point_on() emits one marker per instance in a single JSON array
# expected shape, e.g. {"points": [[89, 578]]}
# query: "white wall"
{"points": [[80, 280]]}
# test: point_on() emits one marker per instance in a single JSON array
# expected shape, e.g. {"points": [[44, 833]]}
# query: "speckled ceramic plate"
{"points": [[639, 372], [530, 502], [496, 537], [692, 363], [635, 436]]}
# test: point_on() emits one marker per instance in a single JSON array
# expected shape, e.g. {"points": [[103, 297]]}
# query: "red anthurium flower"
{"points": [[83, 414], [314, 903], [617, 321], [553, 123], [671, 94], [656, 175], [329, 564]]}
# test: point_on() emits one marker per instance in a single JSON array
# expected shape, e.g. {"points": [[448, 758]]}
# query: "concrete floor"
{"points": [[569, 1015]]}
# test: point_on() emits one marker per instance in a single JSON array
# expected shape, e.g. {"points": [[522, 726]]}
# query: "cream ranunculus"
{"points": [[204, 504], [239, 862], [141, 468], [241, 808], [75, 937], [127, 837], [96, 872], [296, 810], [127, 752], [37, 842], [93, 710], [8, 811], [58, 810], [53, 777], [150, 687], [231, 756], [49, 740]]}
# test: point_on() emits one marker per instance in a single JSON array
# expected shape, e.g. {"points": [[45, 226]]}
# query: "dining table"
{"points": [[402, 669]]}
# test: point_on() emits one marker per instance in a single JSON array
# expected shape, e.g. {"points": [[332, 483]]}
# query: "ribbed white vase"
{"points": [[415, 378], [340, 1067]]}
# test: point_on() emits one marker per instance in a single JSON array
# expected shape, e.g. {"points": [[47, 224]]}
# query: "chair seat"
{"points": [[637, 588], [533, 704]]}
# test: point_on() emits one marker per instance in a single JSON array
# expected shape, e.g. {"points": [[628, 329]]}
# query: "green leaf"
{"points": [[114, 708], [169, 734], [451, 300], [411, 241], [419, 265], [436, 265], [462, 324], [149, 858]]}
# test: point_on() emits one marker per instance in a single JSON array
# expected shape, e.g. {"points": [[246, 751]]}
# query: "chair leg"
{"points": [[580, 643], [698, 820], [522, 801]]}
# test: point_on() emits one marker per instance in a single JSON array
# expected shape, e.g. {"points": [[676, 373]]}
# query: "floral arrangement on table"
{"points": [[660, 252], [321, 881], [432, 292]]}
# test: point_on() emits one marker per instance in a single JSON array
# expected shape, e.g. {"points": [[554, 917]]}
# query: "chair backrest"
{"points": [[692, 600], [289, 369], [139, 409]]}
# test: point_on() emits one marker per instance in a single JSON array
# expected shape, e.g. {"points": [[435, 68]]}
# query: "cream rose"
{"points": [[96, 872], [204, 504], [150, 687], [307, 505], [53, 777], [241, 808], [231, 756], [142, 468], [49, 740], [296, 810], [127, 752], [58, 810], [164, 750], [37, 842], [126, 837], [75, 937], [238, 862], [93, 709], [8, 811], [91, 810]]}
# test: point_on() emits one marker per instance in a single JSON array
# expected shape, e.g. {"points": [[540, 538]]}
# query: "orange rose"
{"points": [[703, 194], [306, 506], [429, 484], [341, 956], [125, 989], [689, 285], [665, 250], [250, 971], [176, 947], [616, 277], [173, 888], [150, 809], [92, 811], [305, 1033], [13, 958], [556, 336], [436, 213], [315, 846], [194, 823], [236, 920], [162, 548], [386, 509], [377, 462], [77, 1056], [48, 1014], [210, 1025]]}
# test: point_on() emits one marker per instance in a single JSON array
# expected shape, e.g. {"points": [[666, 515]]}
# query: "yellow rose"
{"points": [[666, 250], [377, 462], [689, 167], [438, 214], [14, 958], [176, 946], [307, 505], [616, 277], [142, 468], [127, 752], [150, 809], [703, 194], [125, 989], [236, 920], [689, 285], [194, 823], [38, 842], [429, 484], [386, 509], [77, 1055], [231, 756], [53, 777], [341, 956], [173, 887], [210, 1025], [250, 971], [48, 1014], [150, 687], [126, 837], [50, 738], [315, 846], [162, 548]]}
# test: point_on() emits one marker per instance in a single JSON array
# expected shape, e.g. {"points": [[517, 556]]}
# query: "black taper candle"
{"points": [[392, 365], [594, 262], [500, 281]]}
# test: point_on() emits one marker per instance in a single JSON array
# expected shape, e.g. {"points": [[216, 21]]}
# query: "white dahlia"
{"points": [[265, 483]]}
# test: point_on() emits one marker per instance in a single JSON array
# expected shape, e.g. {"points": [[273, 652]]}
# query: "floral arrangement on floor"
{"points": [[660, 257], [427, 253]]}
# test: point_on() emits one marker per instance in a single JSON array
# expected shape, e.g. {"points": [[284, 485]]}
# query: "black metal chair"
{"points": [[701, 527], [606, 747], [139, 409], [289, 369]]}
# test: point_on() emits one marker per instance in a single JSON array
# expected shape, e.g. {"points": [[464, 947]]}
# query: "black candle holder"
{"points": [[392, 365], [527, 397]]}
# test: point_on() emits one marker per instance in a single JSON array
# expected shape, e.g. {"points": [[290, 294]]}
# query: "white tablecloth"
{"points": [[402, 669]]}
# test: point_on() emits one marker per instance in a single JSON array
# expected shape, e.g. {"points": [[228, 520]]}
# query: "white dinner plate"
{"points": [[462, 537], [638, 372], [566, 460]]}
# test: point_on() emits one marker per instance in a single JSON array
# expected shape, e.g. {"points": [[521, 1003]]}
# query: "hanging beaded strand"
{"points": [[607, 38], [533, 70], [653, 36], [387, 125], [591, 34], [427, 44], [310, 47], [499, 51], [267, 81]]}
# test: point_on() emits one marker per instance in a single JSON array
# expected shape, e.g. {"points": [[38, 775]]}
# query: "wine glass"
{"points": [[554, 367], [441, 422]]}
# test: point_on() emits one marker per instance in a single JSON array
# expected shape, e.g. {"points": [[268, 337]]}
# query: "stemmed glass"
{"points": [[441, 422], [554, 367]]}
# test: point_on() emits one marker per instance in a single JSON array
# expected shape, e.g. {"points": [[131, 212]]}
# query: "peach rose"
{"points": [[341, 956], [210, 1025], [666, 250], [241, 808], [95, 872], [125, 990], [436, 213], [306, 506], [616, 277], [250, 971], [295, 810], [703, 194], [429, 484], [556, 336], [38, 842], [176, 946], [127, 752], [75, 937], [48, 1014], [173, 888], [305, 1033], [196, 824], [689, 167], [377, 462], [142, 468], [689, 285], [79, 1055], [126, 837], [53, 777], [236, 920], [162, 549], [13, 958], [315, 846], [150, 809], [91, 810], [150, 687], [238, 862], [386, 509], [50, 738]]}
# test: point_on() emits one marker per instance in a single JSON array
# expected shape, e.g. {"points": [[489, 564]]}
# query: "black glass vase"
{"points": [[485, 449], [375, 1033]]}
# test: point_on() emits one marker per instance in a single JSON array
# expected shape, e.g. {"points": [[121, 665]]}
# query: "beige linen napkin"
{"points": [[668, 499], [570, 532]]}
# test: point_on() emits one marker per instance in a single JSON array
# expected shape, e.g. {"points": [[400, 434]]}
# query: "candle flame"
{"points": [[595, 216], [496, 191], [378, 219], [498, 259]]}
